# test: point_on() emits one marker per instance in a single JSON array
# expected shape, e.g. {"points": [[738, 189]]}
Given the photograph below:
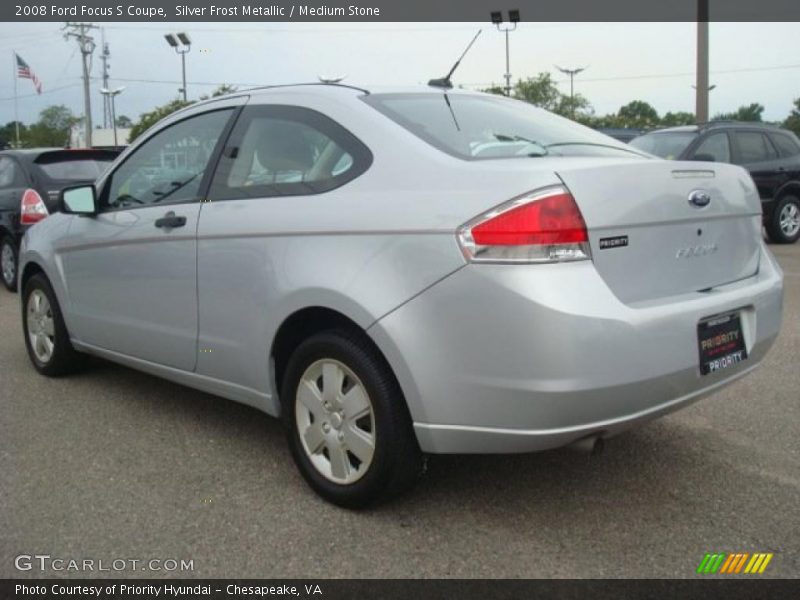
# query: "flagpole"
{"points": [[14, 75]]}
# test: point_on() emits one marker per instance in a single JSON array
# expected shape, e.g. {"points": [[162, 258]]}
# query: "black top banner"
{"points": [[397, 10]]}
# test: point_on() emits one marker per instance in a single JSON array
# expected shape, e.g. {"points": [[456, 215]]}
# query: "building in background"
{"points": [[101, 137]]}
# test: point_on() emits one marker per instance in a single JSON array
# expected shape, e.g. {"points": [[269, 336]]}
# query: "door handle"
{"points": [[170, 220]]}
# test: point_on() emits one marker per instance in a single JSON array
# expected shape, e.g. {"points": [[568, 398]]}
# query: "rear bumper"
{"points": [[502, 358]]}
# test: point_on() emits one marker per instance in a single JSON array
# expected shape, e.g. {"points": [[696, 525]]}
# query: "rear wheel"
{"points": [[8, 263], [346, 421], [784, 225], [46, 337]]}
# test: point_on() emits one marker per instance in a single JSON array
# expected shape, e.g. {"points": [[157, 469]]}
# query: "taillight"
{"points": [[33, 208], [543, 226]]}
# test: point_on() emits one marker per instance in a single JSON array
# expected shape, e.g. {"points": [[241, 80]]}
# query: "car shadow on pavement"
{"points": [[649, 463]]}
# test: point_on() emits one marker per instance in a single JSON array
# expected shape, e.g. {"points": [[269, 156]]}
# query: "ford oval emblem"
{"points": [[699, 198]]}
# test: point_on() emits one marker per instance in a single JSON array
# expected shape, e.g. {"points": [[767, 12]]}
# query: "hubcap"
{"points": [[41, 330], [790, 219], [335, 421], [7, 264]]}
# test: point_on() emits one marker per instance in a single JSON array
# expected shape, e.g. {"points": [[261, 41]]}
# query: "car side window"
{"points": [[169, 167], [10, 173], [284, 151], [754, 147], [716, 146], [787, 146]]}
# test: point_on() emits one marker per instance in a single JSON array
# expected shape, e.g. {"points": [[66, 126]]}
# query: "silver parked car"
{"points": [[405, 271]]}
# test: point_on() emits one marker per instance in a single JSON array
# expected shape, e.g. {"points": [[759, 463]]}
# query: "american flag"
{"points": [[25, 72]]}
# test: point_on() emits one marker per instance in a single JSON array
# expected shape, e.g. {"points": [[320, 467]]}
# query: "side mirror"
{"points": [[79, 200], [704, 157]]}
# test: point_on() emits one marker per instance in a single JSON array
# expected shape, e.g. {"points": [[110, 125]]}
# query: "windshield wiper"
{"points": [[506, 137], [583, 144]]}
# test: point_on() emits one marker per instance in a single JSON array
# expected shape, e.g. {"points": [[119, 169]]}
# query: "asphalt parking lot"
{"points": [[114, 464]]}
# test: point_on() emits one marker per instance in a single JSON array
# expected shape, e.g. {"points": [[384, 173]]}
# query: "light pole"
{"points": [[182, 44], [111, 94], [497, 20], [571, 73]]}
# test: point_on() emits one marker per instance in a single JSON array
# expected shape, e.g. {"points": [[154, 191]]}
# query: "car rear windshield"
{"points": [[668, 145], [484, 126], [84, 165]]}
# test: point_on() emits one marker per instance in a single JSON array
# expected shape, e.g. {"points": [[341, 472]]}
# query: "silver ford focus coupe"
{"points": [[396, 272]]}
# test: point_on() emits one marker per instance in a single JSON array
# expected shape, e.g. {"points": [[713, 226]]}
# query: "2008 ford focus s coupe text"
{"points": [[406, 271]]}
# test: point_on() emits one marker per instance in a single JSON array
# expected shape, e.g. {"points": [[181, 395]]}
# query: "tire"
{"points": [[46, 322], [323, 445], [783, 226], [8, 263]]}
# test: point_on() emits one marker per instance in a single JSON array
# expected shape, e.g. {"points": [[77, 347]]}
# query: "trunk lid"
{"points": [[649, 241]]}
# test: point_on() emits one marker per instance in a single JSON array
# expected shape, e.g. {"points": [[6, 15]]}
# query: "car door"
{"points": [[277, 162], [131, 270], [789, 151], [756, 153], [714, 147]]}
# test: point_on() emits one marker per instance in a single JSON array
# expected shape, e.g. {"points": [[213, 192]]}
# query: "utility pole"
{"points": [[104, 57], [701, 86], [86, 44], [571, 73]]}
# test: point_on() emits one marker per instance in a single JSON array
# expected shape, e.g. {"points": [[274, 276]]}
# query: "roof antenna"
{"points": [[445, 82]]}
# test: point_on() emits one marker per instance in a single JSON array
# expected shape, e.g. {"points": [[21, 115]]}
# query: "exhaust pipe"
{"points": [[591, 444]]}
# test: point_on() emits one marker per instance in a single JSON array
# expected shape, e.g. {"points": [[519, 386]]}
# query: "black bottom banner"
{"points": [[405, 589]]}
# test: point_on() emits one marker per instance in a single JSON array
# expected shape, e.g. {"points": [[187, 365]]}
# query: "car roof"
{"points": [[678, 129], [330, 90], [719, 125]]}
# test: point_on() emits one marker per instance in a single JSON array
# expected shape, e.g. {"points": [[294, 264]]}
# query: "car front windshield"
{"points": [[473, 126], [667, 145]]}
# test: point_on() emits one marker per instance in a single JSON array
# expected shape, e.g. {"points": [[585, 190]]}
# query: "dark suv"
{"points": [[30, 182], [772, 156]]}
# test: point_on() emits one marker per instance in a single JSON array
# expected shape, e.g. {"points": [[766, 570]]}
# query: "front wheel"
{"points": [[8, 264], [46, 337], [346, 421], [784, 225]]}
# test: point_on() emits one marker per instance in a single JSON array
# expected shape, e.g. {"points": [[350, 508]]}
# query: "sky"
{"points": [[655, 62]]}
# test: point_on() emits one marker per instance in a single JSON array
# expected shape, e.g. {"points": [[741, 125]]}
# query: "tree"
{"points": [[673, 119], [793, 120], [223, 89], [751, 112], [498, 90], [543, 92], [220, 90], [148, 119], [8, 134], [124, 122], [576, 107], [540, 91], [52, 128], [638, 114]]}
